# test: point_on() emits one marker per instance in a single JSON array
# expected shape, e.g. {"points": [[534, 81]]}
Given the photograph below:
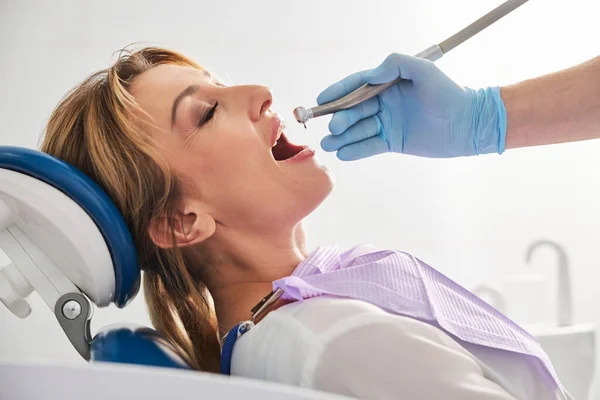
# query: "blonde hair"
{"points": [[94, 129]]}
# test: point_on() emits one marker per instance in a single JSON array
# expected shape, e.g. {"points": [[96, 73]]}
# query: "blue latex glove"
{"points": [[427, 114]]}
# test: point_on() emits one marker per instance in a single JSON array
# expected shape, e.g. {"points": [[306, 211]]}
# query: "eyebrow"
{"points": [[190, 90]]}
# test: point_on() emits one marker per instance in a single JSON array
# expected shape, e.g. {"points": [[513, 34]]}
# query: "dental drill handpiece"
{"points": [[432, 53]]}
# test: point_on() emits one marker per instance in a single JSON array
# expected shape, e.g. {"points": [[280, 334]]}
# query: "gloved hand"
{"points": [[427, 114]]}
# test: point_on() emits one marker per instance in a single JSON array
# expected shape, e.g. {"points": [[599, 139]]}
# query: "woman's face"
{"points": [[219, 140]]}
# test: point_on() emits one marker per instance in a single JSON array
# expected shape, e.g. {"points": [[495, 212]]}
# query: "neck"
{"points": [[246, 267]]}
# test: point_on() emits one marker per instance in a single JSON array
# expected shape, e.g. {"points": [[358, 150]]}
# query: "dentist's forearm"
{"points": [[556, 108]]}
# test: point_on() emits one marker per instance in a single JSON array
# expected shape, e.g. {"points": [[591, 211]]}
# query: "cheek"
{"points": [[234, 154], [231, 159]]}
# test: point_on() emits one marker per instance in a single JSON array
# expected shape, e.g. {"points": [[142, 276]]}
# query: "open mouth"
{"points": [[284, 150]]}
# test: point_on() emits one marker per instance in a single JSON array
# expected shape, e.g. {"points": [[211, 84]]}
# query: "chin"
{"points": [[320, 188], [311, 184], [329, 180]]}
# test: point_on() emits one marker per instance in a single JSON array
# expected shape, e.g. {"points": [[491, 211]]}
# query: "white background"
{"points": [[471, 218]]}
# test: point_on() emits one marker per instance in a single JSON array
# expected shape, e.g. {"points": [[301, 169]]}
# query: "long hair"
{"points": [[94, 129]]}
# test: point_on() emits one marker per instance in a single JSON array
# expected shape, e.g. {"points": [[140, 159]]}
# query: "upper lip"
{"points": [[278, 125]]}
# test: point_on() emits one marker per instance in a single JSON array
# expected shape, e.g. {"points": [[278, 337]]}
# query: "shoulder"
{"points": [[295, 336], [353, 348], [301, 335]]}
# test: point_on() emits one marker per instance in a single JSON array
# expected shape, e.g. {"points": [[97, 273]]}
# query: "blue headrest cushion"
{"points": [[82, 190], [135, 345]]}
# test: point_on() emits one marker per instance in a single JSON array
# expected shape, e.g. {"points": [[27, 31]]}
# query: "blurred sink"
{"points": [[571, 347], [572, 350]]}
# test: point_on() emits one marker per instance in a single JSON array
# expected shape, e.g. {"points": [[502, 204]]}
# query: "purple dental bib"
{"points": [[402, 284]]}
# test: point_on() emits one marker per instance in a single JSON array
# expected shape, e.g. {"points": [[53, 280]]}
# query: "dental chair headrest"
{"points": [[66, 239], [96, 203]]}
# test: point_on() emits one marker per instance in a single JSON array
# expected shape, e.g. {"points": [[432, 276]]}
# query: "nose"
{"points": [[261, 99]]}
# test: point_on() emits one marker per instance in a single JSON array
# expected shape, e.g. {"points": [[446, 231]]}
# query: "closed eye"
{"points": [[208, 115]]}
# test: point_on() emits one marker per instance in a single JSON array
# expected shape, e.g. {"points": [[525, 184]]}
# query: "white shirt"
{"points": [[353, 348]]}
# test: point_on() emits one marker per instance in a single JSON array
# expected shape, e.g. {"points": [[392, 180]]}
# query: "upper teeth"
{"points": [[279, 132]]}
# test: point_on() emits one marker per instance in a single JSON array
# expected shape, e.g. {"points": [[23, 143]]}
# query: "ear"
{"points": [[185, 228]]}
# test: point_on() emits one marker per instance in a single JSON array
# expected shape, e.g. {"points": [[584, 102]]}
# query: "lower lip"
{"points": [[305, 154]]}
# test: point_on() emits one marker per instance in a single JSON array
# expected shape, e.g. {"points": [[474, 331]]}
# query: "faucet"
{"points": [[565, 306]]}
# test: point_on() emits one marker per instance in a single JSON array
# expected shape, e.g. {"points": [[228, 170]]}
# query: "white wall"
{"points": [[471, 218]]}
